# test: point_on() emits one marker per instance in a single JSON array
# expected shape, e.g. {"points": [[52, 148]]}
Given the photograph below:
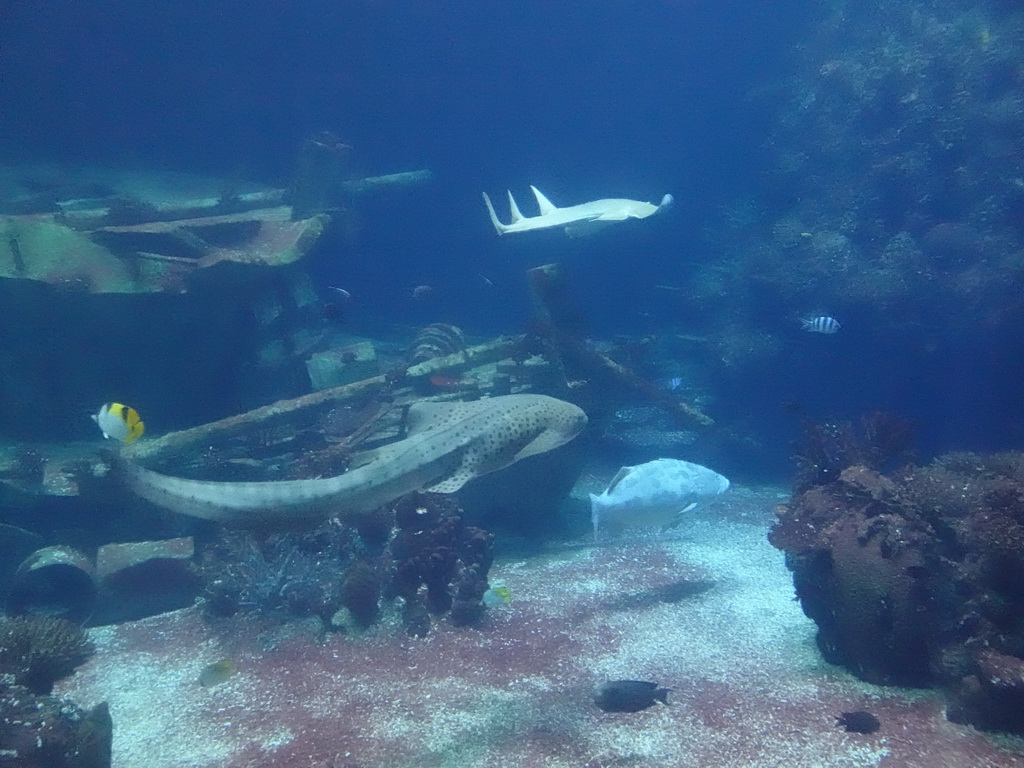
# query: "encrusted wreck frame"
{"points": [[551, 360]]}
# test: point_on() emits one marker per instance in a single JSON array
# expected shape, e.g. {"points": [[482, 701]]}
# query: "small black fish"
{"points": [[858, 722], [629, 695]]}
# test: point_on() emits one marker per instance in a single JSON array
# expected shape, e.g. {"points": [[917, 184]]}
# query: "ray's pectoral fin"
{"points": [[611, 216]]}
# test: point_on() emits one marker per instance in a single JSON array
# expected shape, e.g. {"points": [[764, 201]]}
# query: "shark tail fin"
{"points": [[516, 213], [494, 217], [545, 205]]}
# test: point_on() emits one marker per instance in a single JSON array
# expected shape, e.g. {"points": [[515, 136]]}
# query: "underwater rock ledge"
{"points": [[916, 577]]}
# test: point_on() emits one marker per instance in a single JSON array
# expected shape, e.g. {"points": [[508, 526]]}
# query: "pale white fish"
{"points": [[654, 494]]}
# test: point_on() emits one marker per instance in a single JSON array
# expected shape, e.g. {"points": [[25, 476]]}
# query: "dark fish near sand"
{"points": [[629, 695], [858, 722]]}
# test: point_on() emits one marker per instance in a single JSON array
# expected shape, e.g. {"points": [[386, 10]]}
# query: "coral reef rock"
{"points": [[917, 578], [440, 564], [37, 731]]}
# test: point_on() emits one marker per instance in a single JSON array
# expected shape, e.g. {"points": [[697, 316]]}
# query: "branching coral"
{"points": [[435, 563], [285, 574], [37, 651]]}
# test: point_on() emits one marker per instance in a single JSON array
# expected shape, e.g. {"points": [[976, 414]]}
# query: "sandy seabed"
{"points": [[706, 609]]}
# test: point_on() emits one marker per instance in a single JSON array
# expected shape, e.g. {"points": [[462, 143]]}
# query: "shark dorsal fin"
{"points": [[516, 215], [545, 205], [362, 459], [618, 478], [427, 415]]}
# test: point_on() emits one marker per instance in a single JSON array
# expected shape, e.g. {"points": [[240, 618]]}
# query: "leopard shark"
{"points": [[582, 219], [446, 446]]}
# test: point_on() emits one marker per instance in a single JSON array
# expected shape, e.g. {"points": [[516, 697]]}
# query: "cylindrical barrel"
{"points": [[54, 581]]}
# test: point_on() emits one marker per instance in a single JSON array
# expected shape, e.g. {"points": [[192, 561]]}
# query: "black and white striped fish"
{"points": [[821, 325]]}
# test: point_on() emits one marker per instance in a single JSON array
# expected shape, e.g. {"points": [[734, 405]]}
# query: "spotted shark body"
{"points": [[447, 445], [582, 219]]}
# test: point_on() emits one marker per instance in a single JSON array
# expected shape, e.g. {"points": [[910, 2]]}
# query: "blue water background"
{"points": [[581, 99]]}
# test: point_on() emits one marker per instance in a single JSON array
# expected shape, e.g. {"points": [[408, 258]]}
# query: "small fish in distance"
{"points": [[823, 324], [347, 295], [216, 673], [629, 695], [497, 596]]}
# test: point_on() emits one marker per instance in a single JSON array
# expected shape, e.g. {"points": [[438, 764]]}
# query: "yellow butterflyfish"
{"points": [[119, 422]]}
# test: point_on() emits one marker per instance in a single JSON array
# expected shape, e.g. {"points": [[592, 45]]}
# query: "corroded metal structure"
{"points": [[161, 299]]}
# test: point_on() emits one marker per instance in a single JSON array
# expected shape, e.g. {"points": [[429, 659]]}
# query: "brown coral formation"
{"points": [[916, 577], [360, 593], [440, 564]]}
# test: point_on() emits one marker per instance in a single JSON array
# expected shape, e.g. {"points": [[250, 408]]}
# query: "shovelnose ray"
{"points": [[447, 445], [582, 219]]}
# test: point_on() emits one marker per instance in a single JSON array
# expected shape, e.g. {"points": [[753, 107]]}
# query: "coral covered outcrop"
{"points": [[46, 731], [37, 729], [440, 564], [897, 176], [284, 575], [916, 577]]}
